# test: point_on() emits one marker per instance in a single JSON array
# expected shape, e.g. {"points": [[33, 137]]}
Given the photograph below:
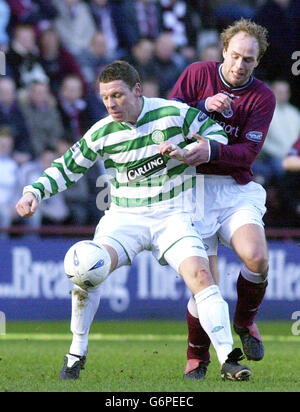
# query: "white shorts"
{"points": [[171, 237], [227, 207]]}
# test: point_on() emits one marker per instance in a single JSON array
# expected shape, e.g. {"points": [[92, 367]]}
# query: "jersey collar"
{"points": [[245, 86]]}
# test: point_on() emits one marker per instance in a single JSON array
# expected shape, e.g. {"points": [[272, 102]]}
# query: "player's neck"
{"points": [[231, 86], [139, 108]]}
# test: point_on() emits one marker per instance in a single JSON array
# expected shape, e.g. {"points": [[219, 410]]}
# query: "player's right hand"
{"points": [[27, 205], [172, 150], [220, 102]]}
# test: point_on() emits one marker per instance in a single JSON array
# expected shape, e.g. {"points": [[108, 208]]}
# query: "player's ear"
{"points": [[224, 53], [138, 90]]}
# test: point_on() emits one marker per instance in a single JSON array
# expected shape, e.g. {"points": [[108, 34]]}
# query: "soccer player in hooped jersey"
{"points": [[234, 204], [148, 190]]}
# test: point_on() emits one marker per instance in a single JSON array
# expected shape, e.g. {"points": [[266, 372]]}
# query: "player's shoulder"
{"points": [[264, 90], [158, 102]]}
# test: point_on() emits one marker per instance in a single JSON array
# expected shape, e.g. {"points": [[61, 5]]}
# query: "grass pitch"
{"points": [[136, 357]]}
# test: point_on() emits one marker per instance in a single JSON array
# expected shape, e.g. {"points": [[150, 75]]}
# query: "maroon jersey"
{"points": [[295, 150], [246, 124]]}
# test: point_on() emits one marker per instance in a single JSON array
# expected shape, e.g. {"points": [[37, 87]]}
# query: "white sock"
{"points": [[214, 318], [253, 276], [84, 307], [192, 307]]}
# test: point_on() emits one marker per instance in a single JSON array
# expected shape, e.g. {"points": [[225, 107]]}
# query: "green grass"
{"points": [[136, 357]]}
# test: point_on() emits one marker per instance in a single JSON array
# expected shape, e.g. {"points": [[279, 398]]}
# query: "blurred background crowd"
{"points": [[55, 50]]}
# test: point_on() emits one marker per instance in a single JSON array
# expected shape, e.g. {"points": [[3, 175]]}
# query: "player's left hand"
{"points": [[199, 152]]}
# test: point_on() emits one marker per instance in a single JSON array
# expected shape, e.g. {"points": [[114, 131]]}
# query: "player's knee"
{"points": [[202, 277], [196, 273], [257, 261]]}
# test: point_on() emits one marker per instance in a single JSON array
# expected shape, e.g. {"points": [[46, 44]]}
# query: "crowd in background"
{"points": [[55, 51]]}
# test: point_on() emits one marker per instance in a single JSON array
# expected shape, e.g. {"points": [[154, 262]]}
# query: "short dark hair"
{"points": [[120, 70]]}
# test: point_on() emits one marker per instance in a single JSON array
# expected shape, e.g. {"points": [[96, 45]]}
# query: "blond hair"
{"points": [[249, 27]]}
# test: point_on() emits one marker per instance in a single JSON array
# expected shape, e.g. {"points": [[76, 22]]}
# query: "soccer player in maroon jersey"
{"points": [[234, 205]]}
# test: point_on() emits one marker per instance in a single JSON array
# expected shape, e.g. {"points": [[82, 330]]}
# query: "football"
{"points": [[87, 263]]}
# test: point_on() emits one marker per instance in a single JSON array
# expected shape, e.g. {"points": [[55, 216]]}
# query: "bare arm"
{"points": [[291, 163]]}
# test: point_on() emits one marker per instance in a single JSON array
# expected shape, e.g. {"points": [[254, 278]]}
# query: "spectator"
{"points": [[199, 20], [93, 60], [289, 192], [184, 19], [141, 57], [74, 24], [291, 163], [281, 18], [56, 60], [117, 20], [211, 53], [283, 132], [227, 11], [8, 179], [53, 210], [77, 196], [105, 22], [4, 20], [151, 87], [168, 65], [173, 20], [11, 115], [188, 54], [23, 58], [149, 18], [95, 106], [38, 13], [42, 117], [73, 107]]}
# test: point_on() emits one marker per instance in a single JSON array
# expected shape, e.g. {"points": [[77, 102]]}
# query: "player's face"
{"points": [[240, 59], [122, 103]]}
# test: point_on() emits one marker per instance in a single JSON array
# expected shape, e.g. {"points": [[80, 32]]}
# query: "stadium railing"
{"points": [[88, 231]]}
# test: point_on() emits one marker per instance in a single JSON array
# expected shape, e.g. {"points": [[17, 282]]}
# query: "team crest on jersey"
{"points": [[227, 113], [158, 136]]}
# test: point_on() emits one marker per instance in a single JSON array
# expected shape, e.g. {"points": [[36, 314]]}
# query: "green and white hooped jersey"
{"points": [[139, 175]]}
